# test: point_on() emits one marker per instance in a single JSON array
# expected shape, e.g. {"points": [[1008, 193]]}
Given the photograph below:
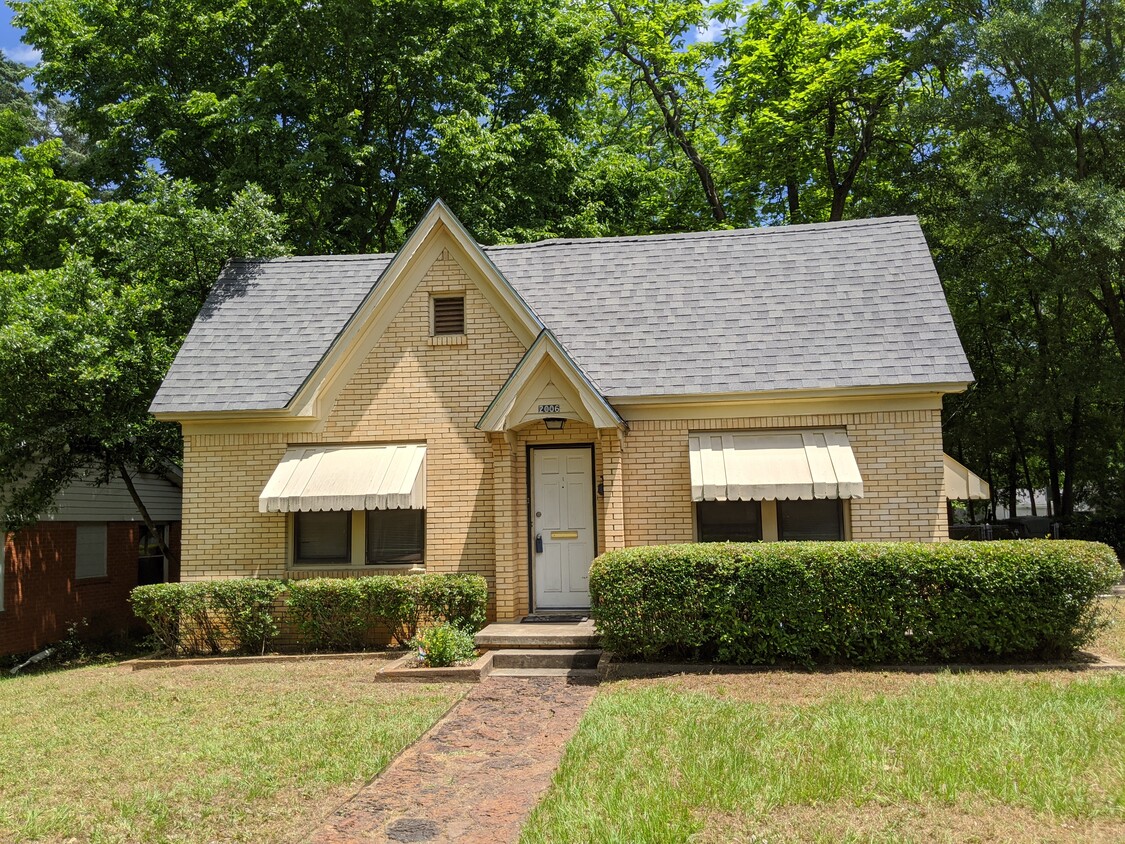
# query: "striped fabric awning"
{"points": [[776, 465], [309, 478]]}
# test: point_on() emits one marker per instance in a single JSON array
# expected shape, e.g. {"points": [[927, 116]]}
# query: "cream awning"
{"points": [[961, 484], [778, 465], [387, 477]]}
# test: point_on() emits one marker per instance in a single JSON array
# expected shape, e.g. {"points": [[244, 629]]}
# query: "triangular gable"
{"points": [[438, 230], [548, 383]]}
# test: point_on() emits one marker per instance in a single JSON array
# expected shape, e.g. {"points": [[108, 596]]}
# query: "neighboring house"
{"points": [[79, 562], [515, 410]]}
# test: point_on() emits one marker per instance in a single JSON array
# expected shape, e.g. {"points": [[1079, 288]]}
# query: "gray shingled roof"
{"points": [[853, 304]]}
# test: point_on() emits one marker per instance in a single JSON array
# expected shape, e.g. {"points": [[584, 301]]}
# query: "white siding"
{"points": [[85, 502]]}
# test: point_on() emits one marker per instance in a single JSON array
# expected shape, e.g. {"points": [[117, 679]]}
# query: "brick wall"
{"points": [[42, 596], [411, 388], [898, 453]]}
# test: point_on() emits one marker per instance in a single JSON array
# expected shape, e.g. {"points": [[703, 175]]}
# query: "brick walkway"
{"points": [[475, 776]]}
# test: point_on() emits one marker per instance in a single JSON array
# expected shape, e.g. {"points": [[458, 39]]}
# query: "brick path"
{"points": [[475, 776]]}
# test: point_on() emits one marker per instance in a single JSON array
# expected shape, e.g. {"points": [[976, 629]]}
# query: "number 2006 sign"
{"points": [[550, 408]]}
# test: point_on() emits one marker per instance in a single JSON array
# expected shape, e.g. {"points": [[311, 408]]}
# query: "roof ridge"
{"points": [[757, 231]]}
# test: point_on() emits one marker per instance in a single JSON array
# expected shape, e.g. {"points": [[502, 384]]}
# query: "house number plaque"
{"points": [[550, 408]]}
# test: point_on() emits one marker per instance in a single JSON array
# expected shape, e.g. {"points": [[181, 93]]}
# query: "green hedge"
{"points": [[203, 616], [329, 614], [332, 613], [851, 602]]}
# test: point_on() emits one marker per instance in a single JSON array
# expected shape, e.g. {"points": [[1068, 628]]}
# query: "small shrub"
{"points": [[862, 603], [394, 601], [444, 644], [245, 610], [329, 613], [179, 616]]}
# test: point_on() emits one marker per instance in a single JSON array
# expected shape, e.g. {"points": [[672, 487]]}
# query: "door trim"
{"points": [[529, 521]]}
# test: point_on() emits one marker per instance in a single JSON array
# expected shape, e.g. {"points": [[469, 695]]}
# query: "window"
{"points": [[323, 537], [729, 521], [821, 518], [89, 551], [395, 537], [448, 315], [151, 565]]}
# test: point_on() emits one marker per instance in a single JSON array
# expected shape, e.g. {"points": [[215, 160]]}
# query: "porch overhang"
{"points": [[780, 465], [314, 478], [548, 384]]}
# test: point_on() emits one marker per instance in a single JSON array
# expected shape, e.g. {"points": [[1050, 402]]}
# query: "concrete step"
{"points": [[513, 635], [584, 674], [535, 658]]}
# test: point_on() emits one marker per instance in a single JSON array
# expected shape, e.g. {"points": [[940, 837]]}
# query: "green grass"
{"points": [[739, 758], [233, 753]]}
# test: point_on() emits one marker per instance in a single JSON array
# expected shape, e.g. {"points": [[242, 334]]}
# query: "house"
{"points": [[516, 410], [77, 564]]}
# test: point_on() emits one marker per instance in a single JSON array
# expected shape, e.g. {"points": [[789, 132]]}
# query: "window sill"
{"points": [[448, 340], [408, 568], [91, 581]]}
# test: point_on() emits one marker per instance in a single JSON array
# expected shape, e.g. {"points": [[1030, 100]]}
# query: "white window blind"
{"points": [[90, 554]]}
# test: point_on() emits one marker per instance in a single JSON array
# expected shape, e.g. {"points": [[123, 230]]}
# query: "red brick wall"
{"points": [[42, 596]]}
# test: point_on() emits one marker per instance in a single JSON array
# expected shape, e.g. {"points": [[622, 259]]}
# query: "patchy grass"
{"points": [[1111, 641], [198, 754], [845, 756]]}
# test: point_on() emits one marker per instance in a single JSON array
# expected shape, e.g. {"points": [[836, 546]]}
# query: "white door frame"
{"points": [[531, 449]]}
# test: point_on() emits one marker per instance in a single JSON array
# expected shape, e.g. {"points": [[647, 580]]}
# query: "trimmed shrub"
{"points": [[245, 611], [329, 613], [861, 603], [179, 615], [333, 614], [445, 644], [457, 599]]}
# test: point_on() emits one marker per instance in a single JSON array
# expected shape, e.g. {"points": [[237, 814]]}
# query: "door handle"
{"points": [[538, 543]]}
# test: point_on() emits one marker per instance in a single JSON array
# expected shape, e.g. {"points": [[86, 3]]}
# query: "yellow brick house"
{"points": [[516, 410]]}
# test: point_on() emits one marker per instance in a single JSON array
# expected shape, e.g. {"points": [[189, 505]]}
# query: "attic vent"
{"points": [[449, 315]]}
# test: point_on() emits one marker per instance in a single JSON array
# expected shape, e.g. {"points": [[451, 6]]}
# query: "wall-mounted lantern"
{"points": [[554, 423]]}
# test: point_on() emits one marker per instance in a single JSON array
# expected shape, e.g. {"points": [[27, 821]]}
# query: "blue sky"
{"points": [[10, 39]]}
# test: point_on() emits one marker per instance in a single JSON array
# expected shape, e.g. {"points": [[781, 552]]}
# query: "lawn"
{"points": [[232, 753], [847, 757]]}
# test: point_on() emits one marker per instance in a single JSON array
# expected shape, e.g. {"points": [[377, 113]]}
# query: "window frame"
{"points": [[357, 548], [699, 521], [102, 529], [329, 562], [840, 516]]}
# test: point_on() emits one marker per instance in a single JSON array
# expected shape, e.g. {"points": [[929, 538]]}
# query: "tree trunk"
{"points": [[143, 510]]}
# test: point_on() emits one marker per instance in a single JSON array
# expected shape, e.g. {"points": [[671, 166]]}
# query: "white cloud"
{"points": [[24, 54], [712, 32]]}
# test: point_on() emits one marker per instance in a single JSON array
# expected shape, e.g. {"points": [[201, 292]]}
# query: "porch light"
{"points": [[554, 423]]}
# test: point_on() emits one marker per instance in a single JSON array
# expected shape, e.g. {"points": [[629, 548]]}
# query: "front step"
{"points": [[586, 675], [498, 636], [546, 659]]}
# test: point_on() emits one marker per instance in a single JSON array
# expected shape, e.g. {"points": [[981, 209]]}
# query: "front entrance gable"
{"points": [[439, 233], [548, 384]]}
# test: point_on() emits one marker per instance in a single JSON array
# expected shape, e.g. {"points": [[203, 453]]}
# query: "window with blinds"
{"points": [[728, 521], [322, 537], [822, 518], [89, 551], [449, 315], [395, 537]]}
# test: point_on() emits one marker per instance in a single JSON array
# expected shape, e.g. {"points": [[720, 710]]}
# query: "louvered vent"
{"points": [[449, 315]]}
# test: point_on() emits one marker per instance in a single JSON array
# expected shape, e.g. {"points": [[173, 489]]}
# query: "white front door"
{"points": [[562, 525]]}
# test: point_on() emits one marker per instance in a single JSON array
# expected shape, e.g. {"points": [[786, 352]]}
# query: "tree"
{"points": [[88, 331], [815, 92], [349, 115]]}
